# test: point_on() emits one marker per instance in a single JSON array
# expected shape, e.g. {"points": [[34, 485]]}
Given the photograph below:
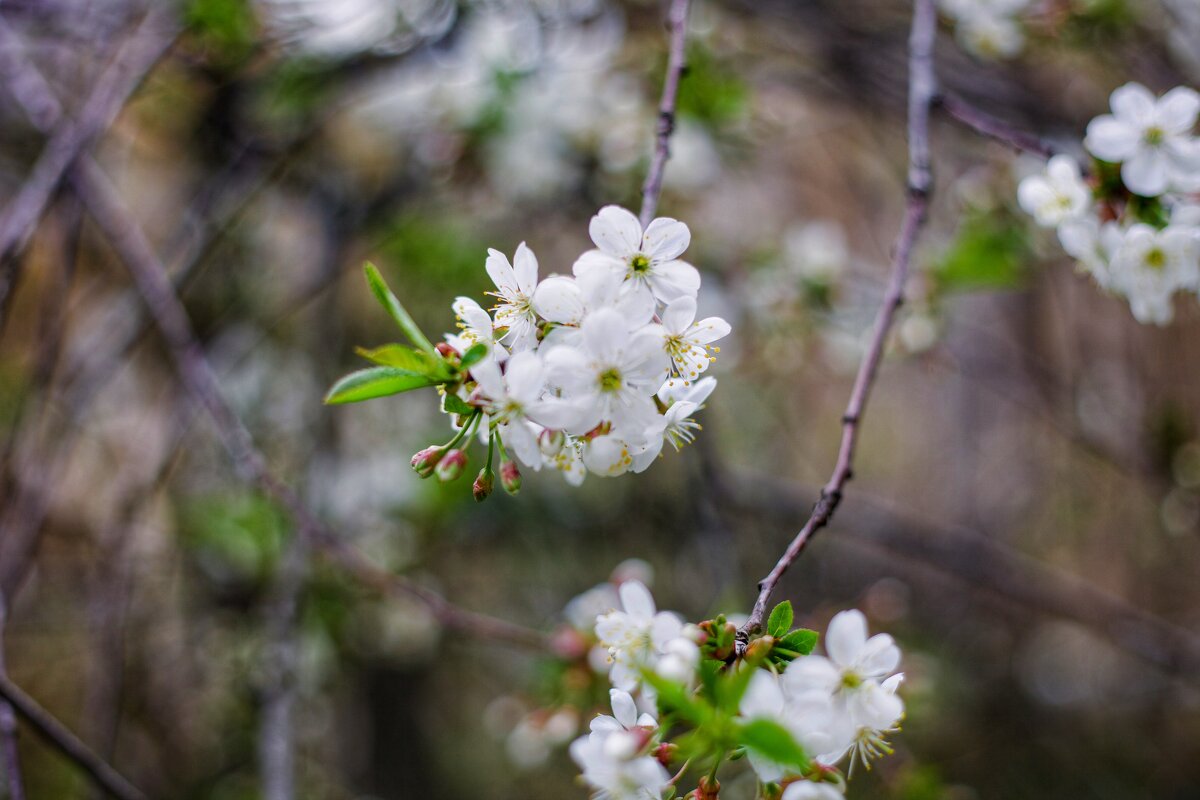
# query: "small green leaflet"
{"points": [[780, 621], [453, 404], [773, 742], [474, 355], [388, 300], [397, 355], [375, 382]]}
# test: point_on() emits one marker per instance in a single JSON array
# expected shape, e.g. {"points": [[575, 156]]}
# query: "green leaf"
{"points": [[388, 300], [367, 384], [676, 698], [397, 355], [453, 404], [780, 621], [773, 742], [475, 353], [801, 641], [990, 251]]}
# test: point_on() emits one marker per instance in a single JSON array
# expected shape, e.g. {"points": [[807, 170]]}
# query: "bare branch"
{"points": [[922, 86], [676, 65], [198, 377], [67, 743], [112, 89], [985, 124]]}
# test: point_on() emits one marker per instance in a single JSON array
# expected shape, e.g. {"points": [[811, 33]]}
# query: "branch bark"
{"points": [[676, 66], [922, 88], [67, 743], [129, 67]]}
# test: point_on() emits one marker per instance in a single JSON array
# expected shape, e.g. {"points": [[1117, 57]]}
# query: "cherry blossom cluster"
{"points": [[988, 28], [690, 695], [592, 372], [1134, 223]]}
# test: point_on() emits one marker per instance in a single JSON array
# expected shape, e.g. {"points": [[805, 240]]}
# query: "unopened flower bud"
{"points": [[510, 476], [760, 648], [551, 442], [568, 643], [482, 487], [451, 465], [424, 462], [695, 633], [666, 753], [708, 789], [444, 349]]}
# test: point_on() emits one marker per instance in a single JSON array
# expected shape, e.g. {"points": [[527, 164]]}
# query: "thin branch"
{"points": [[171, 318], [987, 564], [676, 66], [8, 724], [67, 743], [987, 125], [922, 87], [130, 66]]}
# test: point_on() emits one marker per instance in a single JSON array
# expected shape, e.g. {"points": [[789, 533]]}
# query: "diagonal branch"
{"points": [[676, 66], [922, 87], [129, 67], [985, 124], [67, 743], [197, 375]]}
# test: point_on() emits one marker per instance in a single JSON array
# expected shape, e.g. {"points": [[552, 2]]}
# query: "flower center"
{"points": [[610, 380], [639, 264], [1154, 136], [851, 680], [1156, 258]]}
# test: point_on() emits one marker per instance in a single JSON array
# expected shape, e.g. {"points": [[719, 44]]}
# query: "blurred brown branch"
{"points": [[676, 67], [67, 743], [921, 97]]}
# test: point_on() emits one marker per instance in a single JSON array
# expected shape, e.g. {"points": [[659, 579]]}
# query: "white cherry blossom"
{"points": [[636, 634], [647, 260], [475, 326], [612, 767], [686, 341], [517, 405], [851, 673], [1150, 265], [515, 287], [613, 372], [1056, 195], [807, 790], [1150, 137], [625, 716]]}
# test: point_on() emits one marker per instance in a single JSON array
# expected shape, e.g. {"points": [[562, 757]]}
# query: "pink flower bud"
{"points": [[424, 462], [483, 485], [451, 466], [510, 477]]}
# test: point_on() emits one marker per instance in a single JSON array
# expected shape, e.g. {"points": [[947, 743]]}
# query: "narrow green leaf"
{"points": [[453, 404], [674, 697], [388, 300], [773, 742], [475, 353], [397, 355], [375, 382], [780, 621], [801, 640]]}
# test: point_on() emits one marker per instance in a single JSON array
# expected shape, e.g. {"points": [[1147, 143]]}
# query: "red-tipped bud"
{"points": [[759, 649], [665, 753], [482, 487], [551, 442], [444, 349], [510, 477], [708, 789], [451, 465], [424, 462], [568, 643]]}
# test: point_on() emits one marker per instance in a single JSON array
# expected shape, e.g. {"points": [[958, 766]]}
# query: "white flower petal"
{"points": [[674, 279], [1111, 139], [665, 239], [559, 299], [616, 231], [637, 600], [846, 636]]}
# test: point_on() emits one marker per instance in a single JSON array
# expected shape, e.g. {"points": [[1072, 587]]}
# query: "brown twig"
{"points": [[922, 87], [197, 375], [67, 743], [987, 125], [676, 66], [112, 89]]}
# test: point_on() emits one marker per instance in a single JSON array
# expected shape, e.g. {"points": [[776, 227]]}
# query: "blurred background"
{"points": [[1025, 513]]}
